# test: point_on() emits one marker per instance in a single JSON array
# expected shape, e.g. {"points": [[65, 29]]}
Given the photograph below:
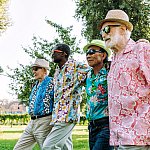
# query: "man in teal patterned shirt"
{"points": [[97, 95]]}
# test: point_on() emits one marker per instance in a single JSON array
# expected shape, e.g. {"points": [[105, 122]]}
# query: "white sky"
{"points": [[28, 19]]}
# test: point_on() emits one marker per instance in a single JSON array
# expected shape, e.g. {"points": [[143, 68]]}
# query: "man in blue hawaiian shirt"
{"points": [[97, 95], [40, 108]]}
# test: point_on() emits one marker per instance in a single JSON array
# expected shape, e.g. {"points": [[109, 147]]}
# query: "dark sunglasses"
{"points": [[36, 68], [107, 29], [93, 51], [59, 51]]}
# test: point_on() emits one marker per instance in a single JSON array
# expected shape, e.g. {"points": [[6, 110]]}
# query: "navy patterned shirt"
{"points": [[42, 97]]}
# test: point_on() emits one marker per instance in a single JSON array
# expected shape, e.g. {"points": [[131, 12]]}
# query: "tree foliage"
{"points": [[91, 12], [21, 82], [4, 20], [1, 69], [22, 78]]}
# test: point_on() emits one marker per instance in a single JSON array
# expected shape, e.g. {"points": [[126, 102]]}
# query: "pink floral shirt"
{"points": [[129, 95]]}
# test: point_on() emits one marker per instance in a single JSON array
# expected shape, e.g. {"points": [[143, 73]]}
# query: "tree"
{"points": [[1, 70], [4, 20], [21, 78], [21, 82], [91, 12]]}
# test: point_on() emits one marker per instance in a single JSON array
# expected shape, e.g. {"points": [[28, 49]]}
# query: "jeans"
{"points": [[99, 134]]}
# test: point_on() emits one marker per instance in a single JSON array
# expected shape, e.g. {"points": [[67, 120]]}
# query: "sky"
{"points": [[28, 20]]}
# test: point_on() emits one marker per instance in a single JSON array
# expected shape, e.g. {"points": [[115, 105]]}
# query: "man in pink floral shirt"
{"points": [[128, 84]]}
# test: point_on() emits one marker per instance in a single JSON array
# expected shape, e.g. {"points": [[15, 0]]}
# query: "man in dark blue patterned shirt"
{"points": [[40, 108]]}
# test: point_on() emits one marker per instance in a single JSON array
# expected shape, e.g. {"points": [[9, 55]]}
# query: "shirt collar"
{"points": [[101, 72], [129, 46], [66, 64]]}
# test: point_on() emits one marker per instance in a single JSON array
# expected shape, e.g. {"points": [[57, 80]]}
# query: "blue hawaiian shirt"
{"points": [[97, 95], [42, 97]]}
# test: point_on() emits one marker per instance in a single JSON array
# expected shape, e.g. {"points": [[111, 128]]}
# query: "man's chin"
{"points": [[56, 61], [109, 45]]}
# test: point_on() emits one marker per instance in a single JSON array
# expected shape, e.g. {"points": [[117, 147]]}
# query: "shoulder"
{"points": [[81, 65], [142, 50], [49, 79], [142, 45]]}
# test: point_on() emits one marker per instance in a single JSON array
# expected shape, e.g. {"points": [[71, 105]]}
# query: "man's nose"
{"points": [[103, 35], [88, 56]]}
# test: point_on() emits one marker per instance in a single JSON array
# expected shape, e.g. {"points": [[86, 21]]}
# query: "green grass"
{"points": [[9, 145], [12, 131], [80, 140]]}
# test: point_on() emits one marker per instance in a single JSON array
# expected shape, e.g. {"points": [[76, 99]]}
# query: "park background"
{"points": [[29, 29]]}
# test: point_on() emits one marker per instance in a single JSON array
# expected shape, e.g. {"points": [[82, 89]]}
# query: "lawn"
{"points": [[9, 136]]}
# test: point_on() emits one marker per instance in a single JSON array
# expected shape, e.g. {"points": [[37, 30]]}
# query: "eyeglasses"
{"points": [[107, 29], [93, 51], [59, 51], [36, 68]]}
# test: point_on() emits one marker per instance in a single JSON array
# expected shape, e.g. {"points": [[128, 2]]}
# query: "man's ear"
{"points": [[63, 54], [104, 55], [123, 27]]}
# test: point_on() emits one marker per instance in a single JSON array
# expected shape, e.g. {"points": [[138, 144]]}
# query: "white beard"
{"points": [[114, 41]]}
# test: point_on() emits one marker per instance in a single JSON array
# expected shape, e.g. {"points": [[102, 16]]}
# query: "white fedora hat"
{"points": [[41, 63]]}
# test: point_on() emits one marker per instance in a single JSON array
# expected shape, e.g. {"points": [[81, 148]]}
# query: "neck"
{"points": [[62, 63], [120, 46], [41, 79], [97, 68]]}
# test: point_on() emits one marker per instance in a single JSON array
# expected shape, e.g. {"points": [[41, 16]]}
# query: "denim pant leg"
{"points": [[99, 137]]}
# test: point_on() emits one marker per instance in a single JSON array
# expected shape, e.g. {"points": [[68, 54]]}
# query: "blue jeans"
{"points": [[99, 134]]}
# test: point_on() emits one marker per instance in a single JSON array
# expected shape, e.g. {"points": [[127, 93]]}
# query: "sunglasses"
{"points": [[59, 51], [107, 29], [93, 51], [36, 68]]}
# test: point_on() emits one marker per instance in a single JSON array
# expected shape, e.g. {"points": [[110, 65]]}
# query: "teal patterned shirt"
{"points": [[97, 95]]}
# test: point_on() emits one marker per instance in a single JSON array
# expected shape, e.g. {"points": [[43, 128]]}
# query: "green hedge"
{"points": [[23, 119], [14, 119]]}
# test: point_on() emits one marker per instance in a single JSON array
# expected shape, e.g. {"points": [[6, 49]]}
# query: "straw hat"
{"points": [[41, 63], [117, 16], [98, 43]]}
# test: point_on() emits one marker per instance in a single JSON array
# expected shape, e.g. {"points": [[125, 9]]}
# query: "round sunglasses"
{"points": [[36, 68], [107, 29]]}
